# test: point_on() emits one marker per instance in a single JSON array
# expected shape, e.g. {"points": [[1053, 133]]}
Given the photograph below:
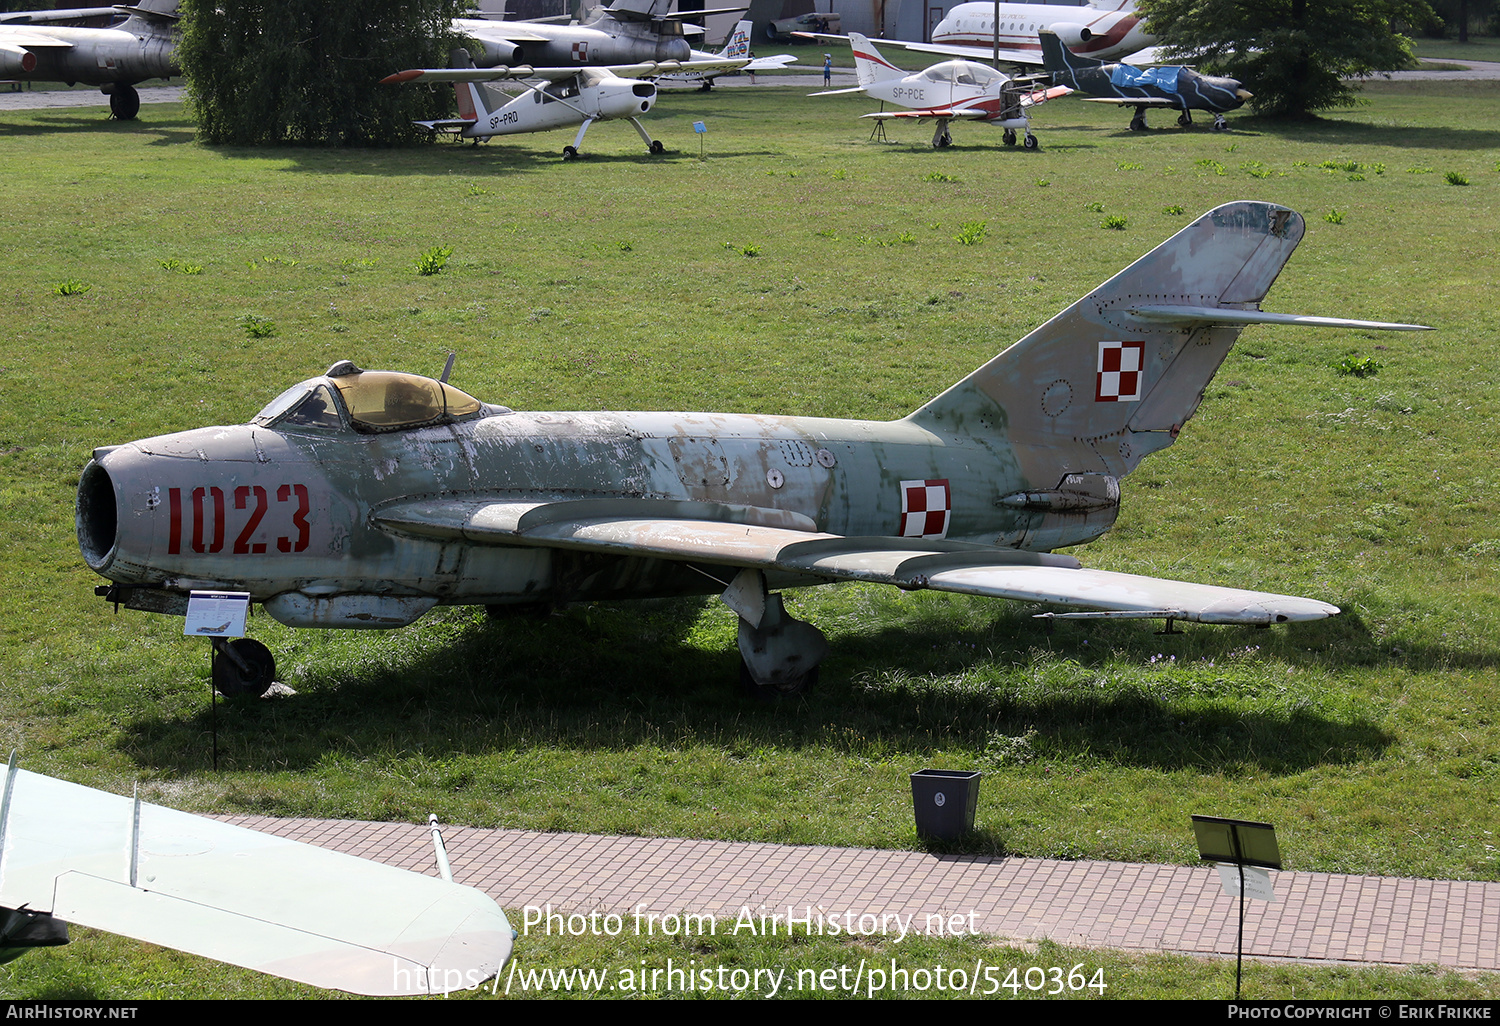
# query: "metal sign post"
{"points": [[702, 130], [217, 615], [1239, 843]]}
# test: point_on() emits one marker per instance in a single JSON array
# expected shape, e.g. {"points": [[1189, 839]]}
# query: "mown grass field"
{"points": [[799, 268]]}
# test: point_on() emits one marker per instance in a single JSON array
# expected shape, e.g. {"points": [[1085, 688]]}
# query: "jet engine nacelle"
{"points": [[13, 64], [495, 54], [673, 49], [1072, 34]]}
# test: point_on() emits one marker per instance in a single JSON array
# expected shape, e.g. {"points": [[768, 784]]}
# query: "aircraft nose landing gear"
{"points": [[242, 667]]}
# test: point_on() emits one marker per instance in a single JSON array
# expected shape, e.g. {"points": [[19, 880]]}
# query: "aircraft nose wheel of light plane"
{"points": [[124, 102], [1009, 137], [1031, 142], [570, 153], [242, 667], [1220, 123], [657, 147]]}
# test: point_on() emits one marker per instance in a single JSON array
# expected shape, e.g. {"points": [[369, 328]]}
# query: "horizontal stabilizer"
{"points": [[1196, 316]]}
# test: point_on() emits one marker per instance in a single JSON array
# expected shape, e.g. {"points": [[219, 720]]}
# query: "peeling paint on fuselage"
{"points": [[844, 476]]}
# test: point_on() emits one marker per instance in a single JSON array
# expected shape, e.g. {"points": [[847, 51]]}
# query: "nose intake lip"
{"points": [[97, 516]]}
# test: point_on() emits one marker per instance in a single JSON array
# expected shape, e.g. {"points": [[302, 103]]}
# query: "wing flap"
{"points": [[1131, 593]]}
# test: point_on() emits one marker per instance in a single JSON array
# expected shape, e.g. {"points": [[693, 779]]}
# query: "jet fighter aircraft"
{"points": [[1177, 87], [364, 498], [625, 32], [564, 97], [952, 90], [115, 58]]}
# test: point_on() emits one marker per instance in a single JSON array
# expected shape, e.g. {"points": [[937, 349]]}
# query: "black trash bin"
{"points": [[945, 802]]}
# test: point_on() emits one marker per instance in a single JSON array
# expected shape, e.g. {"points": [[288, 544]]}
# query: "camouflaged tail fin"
{"points": [[1116, 375]]}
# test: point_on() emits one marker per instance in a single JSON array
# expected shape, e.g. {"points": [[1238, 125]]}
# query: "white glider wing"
{"points": [[778, 540], [269, 904], [644, 69], [970, 53]]}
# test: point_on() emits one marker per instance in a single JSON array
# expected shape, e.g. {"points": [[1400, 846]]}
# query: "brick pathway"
{"points": [[1179, 909]]}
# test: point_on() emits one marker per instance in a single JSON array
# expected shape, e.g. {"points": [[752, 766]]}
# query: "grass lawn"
{"points": [[155, 285]]}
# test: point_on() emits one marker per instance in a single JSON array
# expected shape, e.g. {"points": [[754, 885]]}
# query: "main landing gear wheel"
{"points": [[1221, 124], [1185, 120], [657, 147], [1009, 138], [124, 102], [1031, 142], [570, 153], [253, 678], [1138, 123]]}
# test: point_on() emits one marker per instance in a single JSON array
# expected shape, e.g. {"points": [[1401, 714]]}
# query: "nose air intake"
{"points": [[97, 517]]}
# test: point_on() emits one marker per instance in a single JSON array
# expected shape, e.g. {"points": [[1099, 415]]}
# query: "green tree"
{"points": [[1296, 56], [309, 71]]}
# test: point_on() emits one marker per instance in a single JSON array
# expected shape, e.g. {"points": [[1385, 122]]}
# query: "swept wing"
{"points": [[744, 537]]}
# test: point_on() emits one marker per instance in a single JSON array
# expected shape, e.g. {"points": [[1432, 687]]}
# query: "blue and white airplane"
{"points": [[1180, 88]]}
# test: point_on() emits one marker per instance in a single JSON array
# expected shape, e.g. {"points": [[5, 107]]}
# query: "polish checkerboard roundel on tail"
{"points": [[1115, 376]]}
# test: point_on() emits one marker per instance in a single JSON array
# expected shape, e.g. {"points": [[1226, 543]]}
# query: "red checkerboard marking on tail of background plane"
{"points": [[1120, 366], [926, 507]]}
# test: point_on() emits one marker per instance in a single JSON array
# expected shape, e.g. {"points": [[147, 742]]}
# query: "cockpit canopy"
{"points": [[369, 402], [964, 73]]}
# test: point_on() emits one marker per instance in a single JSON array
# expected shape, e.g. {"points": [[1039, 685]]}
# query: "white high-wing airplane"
{"points": [[1104, 30], [558, 98], [736, 47], [952, 90], [71, 854]]}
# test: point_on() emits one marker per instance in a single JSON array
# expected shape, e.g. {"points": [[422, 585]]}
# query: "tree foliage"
{"points": [[1296, 56], [308, 71]]}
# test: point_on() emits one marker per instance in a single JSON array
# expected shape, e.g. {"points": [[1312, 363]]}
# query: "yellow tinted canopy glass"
{"points": [[389, 401]]}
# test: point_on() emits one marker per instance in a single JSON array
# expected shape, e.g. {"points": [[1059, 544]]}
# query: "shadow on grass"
{"points": [[499, 156], [91, 120], [610, 677], [1334, 132]]}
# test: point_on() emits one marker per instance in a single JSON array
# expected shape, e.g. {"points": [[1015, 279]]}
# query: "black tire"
{"points": [[570, 153], [260, 673], [1031, 142], [657, 147], [124, 102]]}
